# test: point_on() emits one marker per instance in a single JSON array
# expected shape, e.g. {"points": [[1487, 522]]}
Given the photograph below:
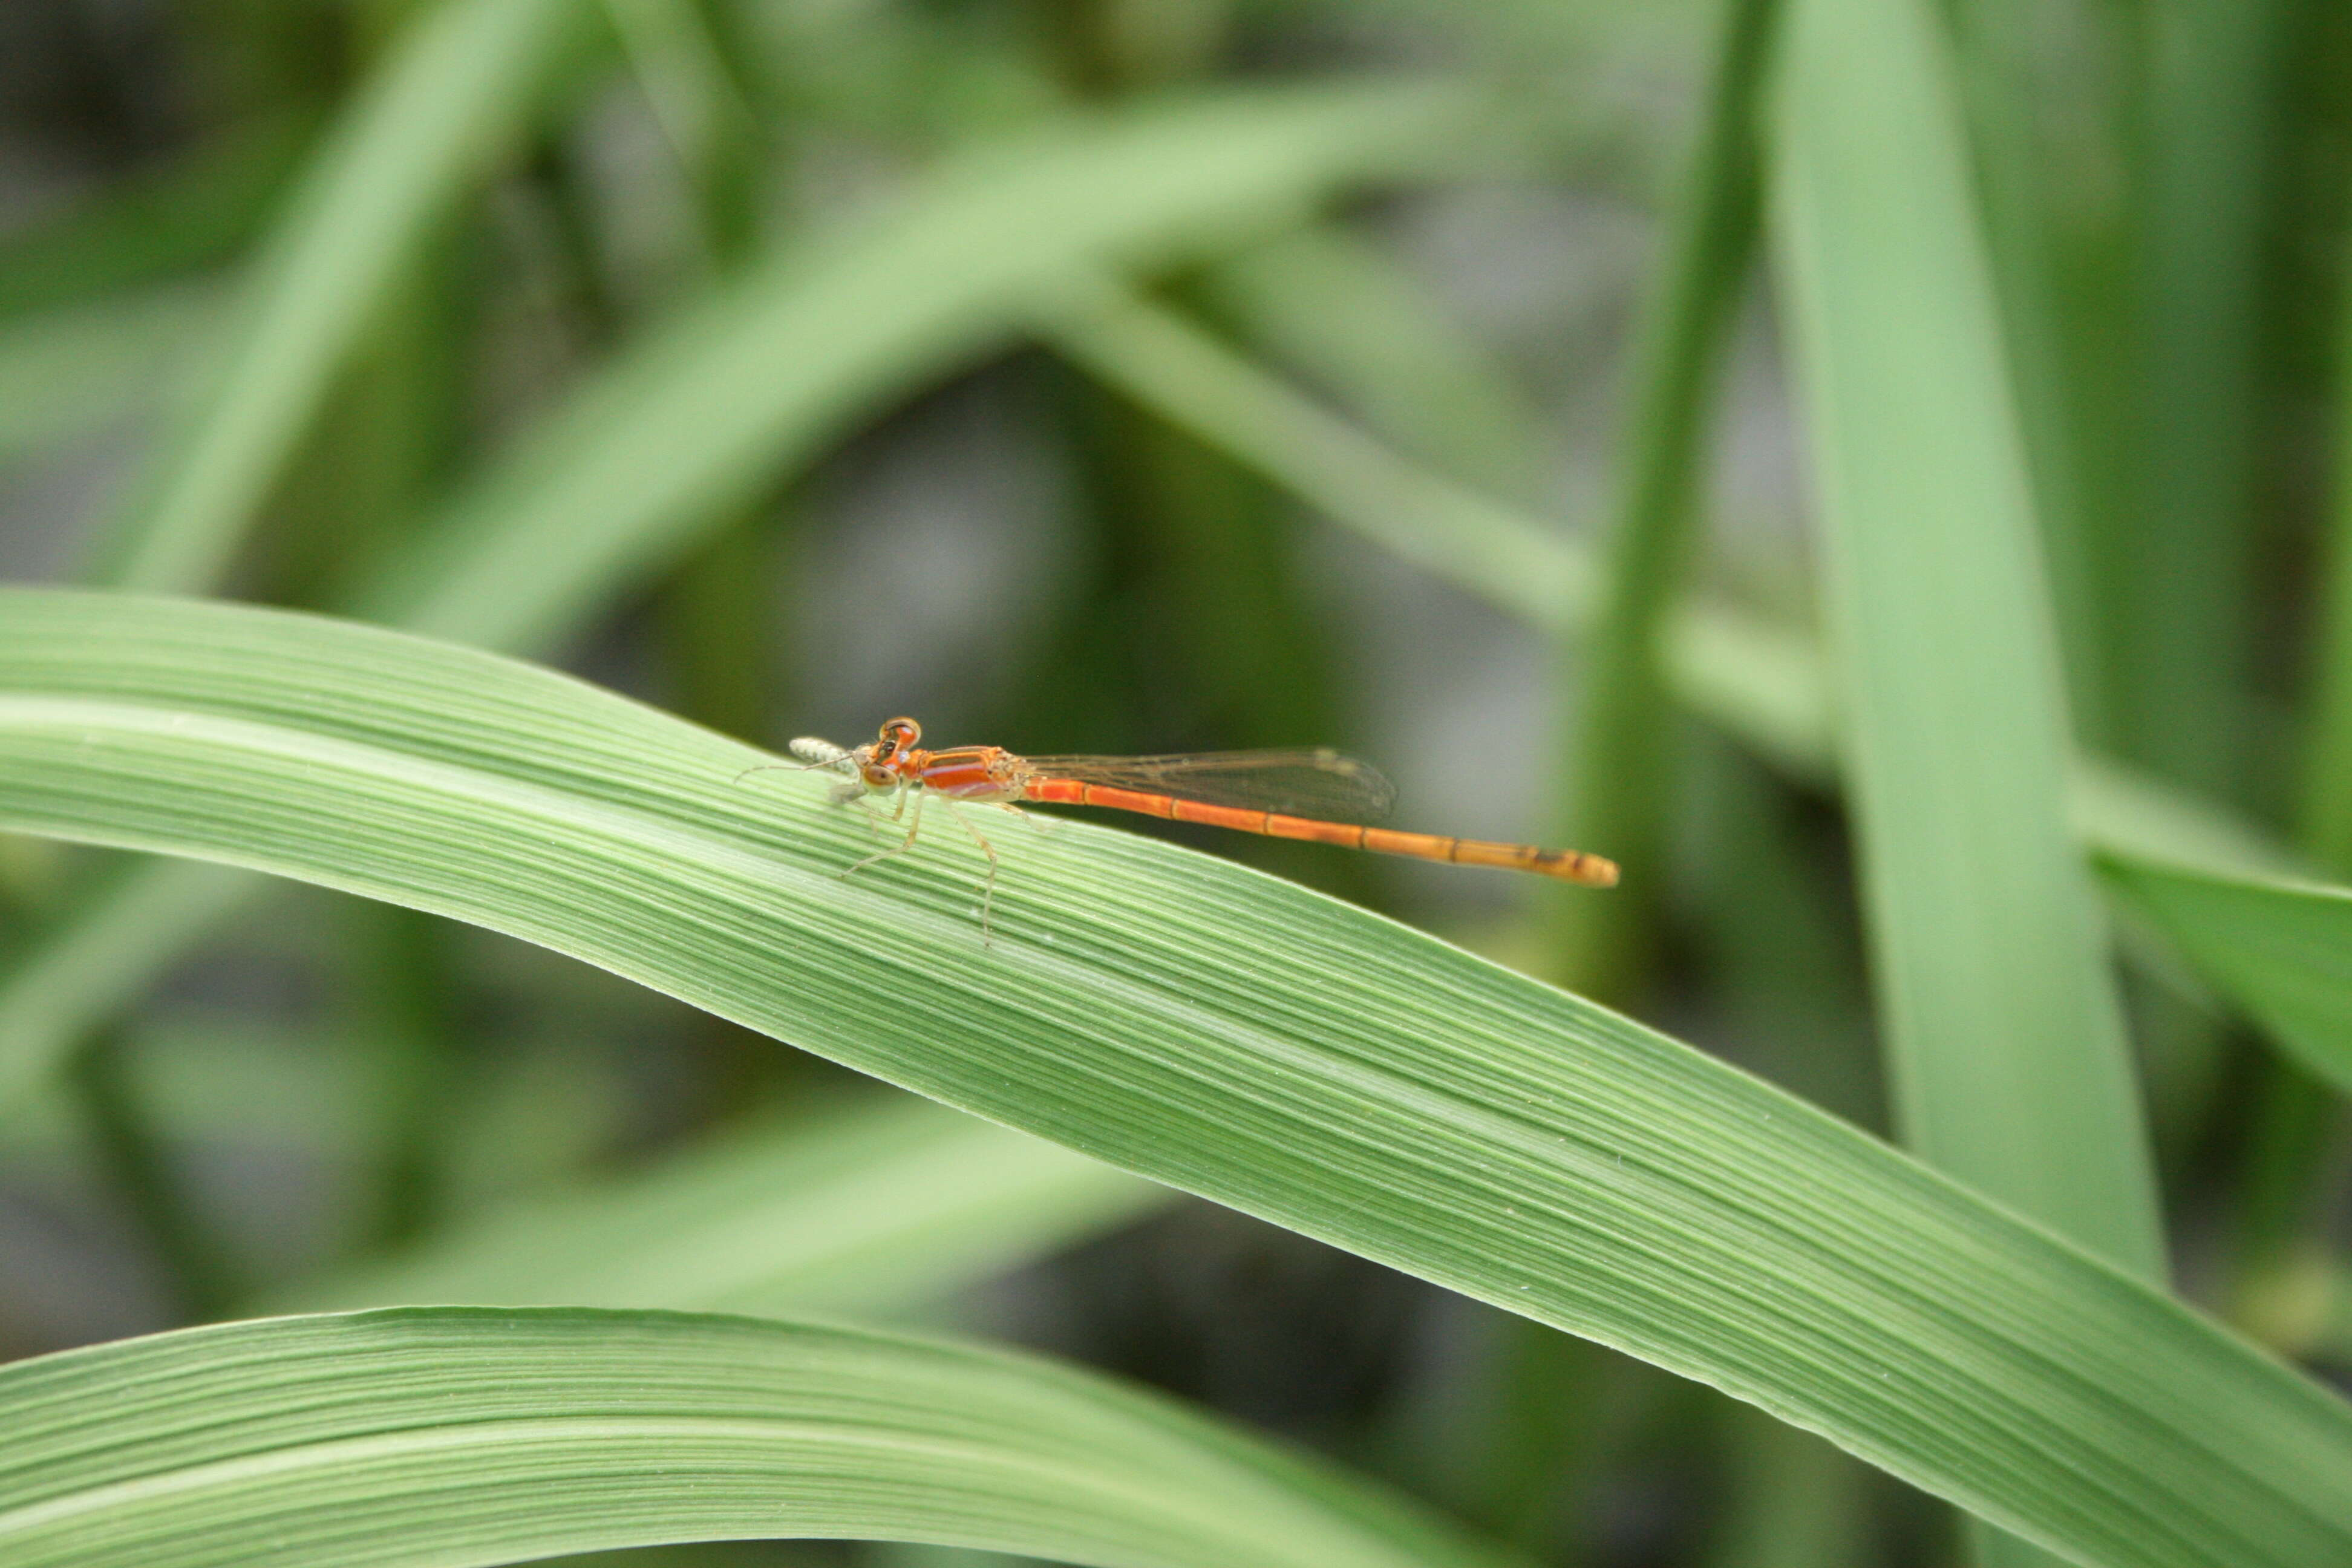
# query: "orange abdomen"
{"points": [[1568, 864]]}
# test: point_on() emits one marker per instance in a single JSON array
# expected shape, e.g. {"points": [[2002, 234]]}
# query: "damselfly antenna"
{"points": [[820, 755]]}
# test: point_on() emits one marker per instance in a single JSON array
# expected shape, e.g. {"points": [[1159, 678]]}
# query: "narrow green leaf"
{"points": [[198, 1278], [2007, 1041], [449, 102], [1617, 774], [455, 1436], [2327, 803], [2039, 217], [868, 1211], [1211, 1028], [1447, 529], [2004, 1035], [2183, 604], [1796, 1503], [2282, 951], [2224, 71], [683, 71]]}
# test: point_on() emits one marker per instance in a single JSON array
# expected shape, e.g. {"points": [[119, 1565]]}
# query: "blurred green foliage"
{"points": [[1458, 386]]}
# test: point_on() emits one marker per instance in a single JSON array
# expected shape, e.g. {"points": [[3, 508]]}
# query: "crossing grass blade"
{"points": [[455, 1436], [1214, 1029]]}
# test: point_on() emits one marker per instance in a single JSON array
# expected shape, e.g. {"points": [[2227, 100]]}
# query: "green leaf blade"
{"points": [[455, 1436], [2282, 951], [1215, 1030], [2005, 1034]]}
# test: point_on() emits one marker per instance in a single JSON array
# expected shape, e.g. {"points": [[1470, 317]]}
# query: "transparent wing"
{"points": [[1303, 783]]}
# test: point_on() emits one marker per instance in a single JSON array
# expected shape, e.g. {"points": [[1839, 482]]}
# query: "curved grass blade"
{"points": [[1449, 529], [1330, 306], [455, 1436], [1214, 1029]]}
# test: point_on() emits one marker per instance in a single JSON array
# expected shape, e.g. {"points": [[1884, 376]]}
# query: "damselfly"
{"points": [[1314, 794]]}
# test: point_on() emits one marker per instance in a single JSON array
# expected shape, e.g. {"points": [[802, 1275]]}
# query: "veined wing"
{"points": [[1305, 782]]}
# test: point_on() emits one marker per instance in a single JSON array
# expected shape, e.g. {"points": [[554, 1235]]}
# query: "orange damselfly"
{"points": [[1312, 795]]}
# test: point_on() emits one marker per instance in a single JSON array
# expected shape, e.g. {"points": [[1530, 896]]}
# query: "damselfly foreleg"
{"points": [[914, 828], [987, 888]]}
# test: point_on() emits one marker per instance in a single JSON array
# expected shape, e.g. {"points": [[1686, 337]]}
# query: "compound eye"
{"points": [[899, 732], [879, 777]]}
